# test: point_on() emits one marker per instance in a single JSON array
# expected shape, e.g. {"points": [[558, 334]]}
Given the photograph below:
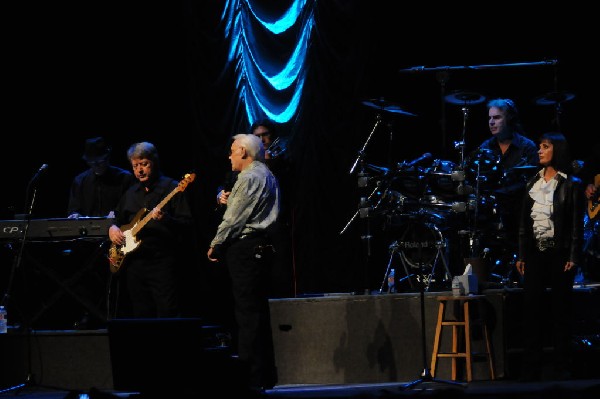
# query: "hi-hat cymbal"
{"points": [[555, 97], [464, 98], [525, 168], [382, 105]]}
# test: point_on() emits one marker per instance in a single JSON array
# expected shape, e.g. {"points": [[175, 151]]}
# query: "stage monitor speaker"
{"points": [[178, 355]]}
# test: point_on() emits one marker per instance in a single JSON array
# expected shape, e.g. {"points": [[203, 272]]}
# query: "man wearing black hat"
{"points": [[96, 191]]}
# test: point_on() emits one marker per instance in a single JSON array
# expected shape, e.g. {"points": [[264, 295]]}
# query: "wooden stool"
{"points": [[462, 321]]}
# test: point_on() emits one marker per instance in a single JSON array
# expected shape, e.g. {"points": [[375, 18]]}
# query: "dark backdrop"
{"points": [[135, 71]]}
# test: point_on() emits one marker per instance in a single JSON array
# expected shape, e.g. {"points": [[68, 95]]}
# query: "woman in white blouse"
{"points": [[550, 247]]}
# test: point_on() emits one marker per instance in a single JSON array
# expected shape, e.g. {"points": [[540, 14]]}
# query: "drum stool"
{"points": [[461, 323]]}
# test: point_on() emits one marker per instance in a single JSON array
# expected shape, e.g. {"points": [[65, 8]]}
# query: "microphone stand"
{"points": [[30, 379], [426, 373]]}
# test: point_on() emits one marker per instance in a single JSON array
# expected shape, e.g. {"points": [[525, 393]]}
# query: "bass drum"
{"points": [[419, 244]]}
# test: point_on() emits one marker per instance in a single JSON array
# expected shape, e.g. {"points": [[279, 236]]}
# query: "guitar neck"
{"points": [[148, 216]]}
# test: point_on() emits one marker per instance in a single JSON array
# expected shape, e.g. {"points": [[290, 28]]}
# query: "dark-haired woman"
{"points": [[550, 247]]}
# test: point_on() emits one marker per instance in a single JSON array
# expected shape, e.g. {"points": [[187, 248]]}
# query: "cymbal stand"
{"points": [[361, 153], [442, 77], [462, 144], [473, 241]]}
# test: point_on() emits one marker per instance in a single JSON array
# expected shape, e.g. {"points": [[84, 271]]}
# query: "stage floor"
{"points": [[575, 389]]}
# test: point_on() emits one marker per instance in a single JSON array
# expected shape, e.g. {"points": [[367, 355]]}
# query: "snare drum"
{"points": [[443, 179], [410, 182]]}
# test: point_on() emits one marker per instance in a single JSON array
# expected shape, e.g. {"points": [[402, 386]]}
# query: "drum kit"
{"points": [[426, 199]]}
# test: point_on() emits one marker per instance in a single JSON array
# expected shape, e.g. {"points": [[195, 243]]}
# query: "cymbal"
{"points": [[464, 98], [525, 167], [382, 105], [555, 97]]}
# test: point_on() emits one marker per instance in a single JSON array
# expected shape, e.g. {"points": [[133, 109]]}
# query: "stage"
{"points": [[332, 345]]}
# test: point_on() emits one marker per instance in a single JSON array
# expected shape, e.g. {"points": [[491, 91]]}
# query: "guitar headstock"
{"points": [[187, 179]]}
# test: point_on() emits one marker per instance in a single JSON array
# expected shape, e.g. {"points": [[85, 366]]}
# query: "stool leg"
{"points": [[468, 341], [436, 341], [489, 351], [455, 333]]}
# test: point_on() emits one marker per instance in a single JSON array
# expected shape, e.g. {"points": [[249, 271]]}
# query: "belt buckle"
{"points": [[545, 243]]}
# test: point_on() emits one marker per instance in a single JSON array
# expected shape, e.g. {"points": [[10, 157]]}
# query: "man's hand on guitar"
{"points": [[116, 235], [157, 213]]}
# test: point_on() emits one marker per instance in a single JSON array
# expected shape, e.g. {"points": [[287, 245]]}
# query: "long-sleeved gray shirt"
{"points": [[252, 207]]}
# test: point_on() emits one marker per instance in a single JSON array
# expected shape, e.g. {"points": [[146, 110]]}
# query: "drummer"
{"points": [[511, 149], [508, 142]]}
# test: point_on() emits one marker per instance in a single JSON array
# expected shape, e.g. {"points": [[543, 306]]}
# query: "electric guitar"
{"points": [[594, 202], [117, 253]]}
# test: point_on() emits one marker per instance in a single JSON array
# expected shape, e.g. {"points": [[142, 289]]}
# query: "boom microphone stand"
{"points": [[31, 188], [426, 373]]}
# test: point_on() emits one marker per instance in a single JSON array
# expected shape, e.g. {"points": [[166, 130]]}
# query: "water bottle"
{"points": [[457, 289], [392, 281], [3, 320]]}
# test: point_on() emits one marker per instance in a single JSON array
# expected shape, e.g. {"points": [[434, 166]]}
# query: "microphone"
{"points": [[425, 157], [464, 189], [486, 252], [459, 207], [39, 172]]}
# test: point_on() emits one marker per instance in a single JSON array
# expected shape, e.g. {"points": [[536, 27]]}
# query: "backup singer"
{"points": [[550, 247]]}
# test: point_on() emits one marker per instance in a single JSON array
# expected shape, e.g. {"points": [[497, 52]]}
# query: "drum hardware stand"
{"points": [[439, 255], [396, 247], [364, 208], [393, 249], [364, 212]]}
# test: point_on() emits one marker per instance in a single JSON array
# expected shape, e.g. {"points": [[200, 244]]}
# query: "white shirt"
{"points": [[542, 193]]}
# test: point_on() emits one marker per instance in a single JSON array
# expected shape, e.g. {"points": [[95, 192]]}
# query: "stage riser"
{"points": [[363, 339], [370, 339], [325, 340], [67, 360]]}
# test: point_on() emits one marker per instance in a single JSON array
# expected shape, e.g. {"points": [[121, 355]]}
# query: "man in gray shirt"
{"points": [[242, 240]]}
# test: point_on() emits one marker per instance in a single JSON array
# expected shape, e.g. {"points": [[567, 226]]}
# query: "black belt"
{"points": [[545, 243], [253, 236]]}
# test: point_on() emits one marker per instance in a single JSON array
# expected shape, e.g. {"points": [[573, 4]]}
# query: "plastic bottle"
{"points": [[3, 320], [392, 281], [456, 287]]}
